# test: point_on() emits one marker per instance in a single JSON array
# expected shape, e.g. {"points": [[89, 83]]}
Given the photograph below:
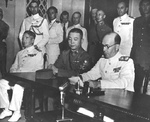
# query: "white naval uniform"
{"points": [[85, 40], [116, 72], [27, 60], [55, 37], [124, 27], [39, 26]]}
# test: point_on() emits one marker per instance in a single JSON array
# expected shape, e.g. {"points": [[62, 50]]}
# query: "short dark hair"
{"points": [[54, 8], [143, 1], [123, 1], [34, 1], [64, 13], [30, 33], [76, 30], [77, 12], [117, 39]]}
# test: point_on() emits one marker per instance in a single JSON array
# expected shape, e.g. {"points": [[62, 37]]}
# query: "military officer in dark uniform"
{"points": [[3, 51], [101, 29], [75, 60], [141, 31], [141, 40]]}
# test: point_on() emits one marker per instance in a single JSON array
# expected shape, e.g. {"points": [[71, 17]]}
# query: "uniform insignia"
{"points": [[125, 23], [132, 17], [31, 55], [124, 58], [117, 69]]}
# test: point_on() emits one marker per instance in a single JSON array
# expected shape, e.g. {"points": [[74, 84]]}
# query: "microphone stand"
{"points": [[62, 99]]}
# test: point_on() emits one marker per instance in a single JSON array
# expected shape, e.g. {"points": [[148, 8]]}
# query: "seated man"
{"points": [[73, 61], [27, 60], [114, 69]]}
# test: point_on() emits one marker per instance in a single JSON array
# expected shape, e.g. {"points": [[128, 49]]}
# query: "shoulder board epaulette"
{"points": [[57, 21], [132, 17], [124, 58]]}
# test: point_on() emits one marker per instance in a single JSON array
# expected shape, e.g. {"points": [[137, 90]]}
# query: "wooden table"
{"points": [[117, 103]]}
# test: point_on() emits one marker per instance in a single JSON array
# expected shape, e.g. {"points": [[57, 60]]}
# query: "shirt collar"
{"points": [[53, 21], [30, 49], [124, 16], [36, 16], [77, 25], [115, 57], [76, 51]]}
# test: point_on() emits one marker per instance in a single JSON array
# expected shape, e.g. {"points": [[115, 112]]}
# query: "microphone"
{"points": [[64, 86]]}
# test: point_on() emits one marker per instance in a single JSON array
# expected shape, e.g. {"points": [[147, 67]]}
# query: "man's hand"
{"points": [[37, 48], [55, 70], [50, 66], [74, 80]]}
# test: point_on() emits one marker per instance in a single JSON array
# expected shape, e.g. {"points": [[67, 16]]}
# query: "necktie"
{"points": [[64, 32]]}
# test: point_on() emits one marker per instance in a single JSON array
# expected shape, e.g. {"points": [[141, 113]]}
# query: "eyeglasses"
{"points": [[107, 46]]}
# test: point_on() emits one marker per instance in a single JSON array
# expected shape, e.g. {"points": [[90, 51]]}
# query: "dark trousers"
{"points": [[3, 55], [141, 79]]}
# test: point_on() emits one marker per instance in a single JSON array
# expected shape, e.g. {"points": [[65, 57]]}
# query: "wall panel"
{"points": [[71, 6]]}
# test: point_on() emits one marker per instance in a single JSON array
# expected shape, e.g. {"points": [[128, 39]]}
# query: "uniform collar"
{"points": [[123, 17], [76, 51], [77, 25], [36, 16], [114, 58], [53, 21]]}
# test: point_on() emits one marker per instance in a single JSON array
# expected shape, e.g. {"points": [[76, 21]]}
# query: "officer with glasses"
{"points": [[113, 70]]}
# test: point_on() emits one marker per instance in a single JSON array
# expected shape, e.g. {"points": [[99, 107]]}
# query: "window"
{"points": [[42, 8]]}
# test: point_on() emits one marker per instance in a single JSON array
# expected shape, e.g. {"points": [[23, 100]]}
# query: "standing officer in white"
{"points": [[27, 60], [76, 24], [36, 24], [55, 35], [123, 25], [113, 69]]}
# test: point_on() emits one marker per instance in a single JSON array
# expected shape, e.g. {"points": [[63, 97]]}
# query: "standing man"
{"points": [[4, 28], [36, 24], [64, 18], [123, 25], [76, 24], [27, 60], [93, 14], [100, 30], [75, 60], [92, 37], [141, 36], [55, 35], [113, 70], [141, 42]]}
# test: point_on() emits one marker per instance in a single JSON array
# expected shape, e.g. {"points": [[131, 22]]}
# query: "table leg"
{"points": [[30, 103]]}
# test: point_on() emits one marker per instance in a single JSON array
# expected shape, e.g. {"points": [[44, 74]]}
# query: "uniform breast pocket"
{"points": [[114, 75]]}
